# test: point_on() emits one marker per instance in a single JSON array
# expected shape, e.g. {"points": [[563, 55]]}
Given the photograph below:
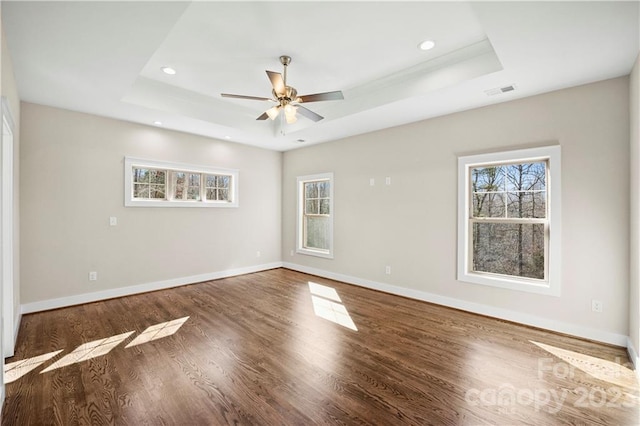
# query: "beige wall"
{"points": [[72, 182], [411, 224], [634, 247]]}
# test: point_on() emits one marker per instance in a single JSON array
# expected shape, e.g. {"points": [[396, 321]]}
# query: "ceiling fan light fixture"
{"points": [[273, 112], [290, 114]]}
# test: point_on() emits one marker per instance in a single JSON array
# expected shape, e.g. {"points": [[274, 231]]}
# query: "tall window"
{"points": [[315, 215], [162, 184], [509, 220]]}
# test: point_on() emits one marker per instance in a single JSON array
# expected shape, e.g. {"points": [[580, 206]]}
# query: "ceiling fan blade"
{"points": [[308, 113], [327, 96], [277, 82], [264, 116], [253, 98]]}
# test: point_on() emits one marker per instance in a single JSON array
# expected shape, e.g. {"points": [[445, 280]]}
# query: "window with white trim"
{"points": [[150, 183], [315, 215], [509, 220]]}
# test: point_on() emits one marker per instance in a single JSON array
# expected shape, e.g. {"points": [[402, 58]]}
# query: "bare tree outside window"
{"points": [[509, 208]]}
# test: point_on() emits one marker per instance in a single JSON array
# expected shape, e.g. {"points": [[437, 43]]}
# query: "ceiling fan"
{"points": [[287, 99]]}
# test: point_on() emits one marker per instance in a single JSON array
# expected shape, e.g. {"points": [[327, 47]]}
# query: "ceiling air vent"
{"points": [[500, 90]]}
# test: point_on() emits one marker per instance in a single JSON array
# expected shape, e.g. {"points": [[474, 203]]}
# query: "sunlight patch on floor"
{"points": [[324, 291], [89, 350], [616, 373], [14, 370], [158, 331], [325, 305]]}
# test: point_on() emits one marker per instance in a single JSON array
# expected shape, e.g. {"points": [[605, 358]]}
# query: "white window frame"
{"points": [[550, 285], [129, 201], [300, 248]]}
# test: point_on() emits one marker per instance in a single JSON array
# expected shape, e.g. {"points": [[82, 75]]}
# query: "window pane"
{"points": [[140, 175], [484, 179], [223, 181], [488, 204], [526, 176], [316, 232], [156, 176], [140, 190], [193, 193], [223, 194], [323, 189], [211, 194], [509, 249], [324, 206], [210, 181], [194, 179], [311, 207], [157, 192], [527, 204], [310, 190]]}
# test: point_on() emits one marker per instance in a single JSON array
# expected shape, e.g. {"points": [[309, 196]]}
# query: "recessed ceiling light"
{"points": [[157, 123], [227, 137], [427, 45], [168, 70]]}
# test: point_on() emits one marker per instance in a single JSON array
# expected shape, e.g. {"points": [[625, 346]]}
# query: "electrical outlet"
{"points": [[387, 180], [387, 270], [113, 221], [596, 305], [93, 276], [372, 181]]}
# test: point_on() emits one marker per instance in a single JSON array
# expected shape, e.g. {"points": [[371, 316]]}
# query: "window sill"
{"points": [[525, 284], [317, 253], [177, 203]]}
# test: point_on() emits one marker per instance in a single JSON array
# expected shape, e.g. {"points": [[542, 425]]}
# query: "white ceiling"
{"points": [[105, 57]]}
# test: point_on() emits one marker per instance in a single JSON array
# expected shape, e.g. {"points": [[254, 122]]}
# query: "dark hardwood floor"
{"points": [[252, 351]]}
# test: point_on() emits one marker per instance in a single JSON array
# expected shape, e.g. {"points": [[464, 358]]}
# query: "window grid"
{"points": [[316, 205], [498, 182], [217, 187], [149, 183]]}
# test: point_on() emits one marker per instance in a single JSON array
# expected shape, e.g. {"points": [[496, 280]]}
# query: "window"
{"points": [[509, 220], [315, 215], [162, 184], [149, 184]]}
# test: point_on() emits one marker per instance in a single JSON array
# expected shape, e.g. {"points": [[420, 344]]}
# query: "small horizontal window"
{"points": [[151, 183]]}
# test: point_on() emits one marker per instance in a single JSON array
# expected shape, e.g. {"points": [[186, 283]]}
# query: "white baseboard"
{"points": [[505, 314], [633, 356], [96, 296]]}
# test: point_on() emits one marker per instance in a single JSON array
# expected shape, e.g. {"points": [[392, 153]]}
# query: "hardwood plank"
{"points": [[254, 352]]}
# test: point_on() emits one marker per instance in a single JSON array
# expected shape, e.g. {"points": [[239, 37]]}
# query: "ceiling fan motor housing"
{"points": [[290, 95]]}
